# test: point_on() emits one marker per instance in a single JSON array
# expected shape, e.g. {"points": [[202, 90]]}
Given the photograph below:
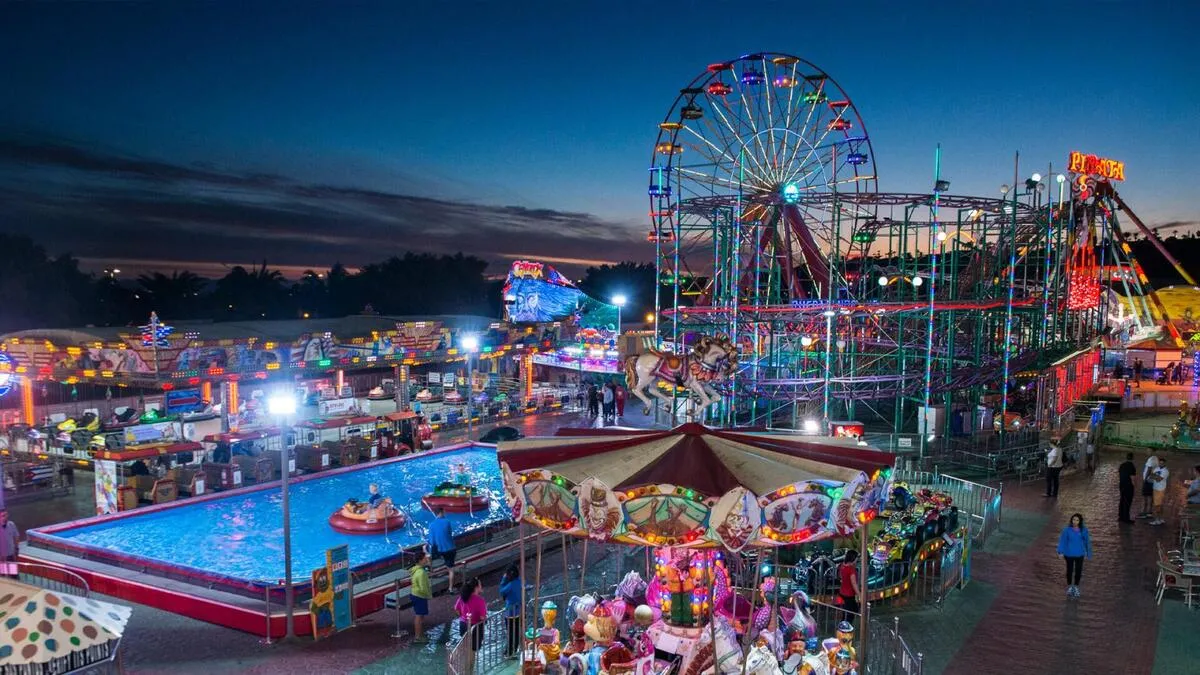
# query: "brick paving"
{"points": [[1032, 627]]}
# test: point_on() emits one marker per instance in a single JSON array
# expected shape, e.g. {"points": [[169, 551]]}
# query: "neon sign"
{"points": [[1092, 165], [523, 269]]}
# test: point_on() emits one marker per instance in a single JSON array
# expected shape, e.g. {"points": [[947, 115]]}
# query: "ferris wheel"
{"points": [[744, 183]]}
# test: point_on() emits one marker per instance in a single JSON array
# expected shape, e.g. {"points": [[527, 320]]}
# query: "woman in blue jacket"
{"points": [[1074, 545], [510, 591]]}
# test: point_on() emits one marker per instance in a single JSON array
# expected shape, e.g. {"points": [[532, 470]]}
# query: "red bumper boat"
{"points": [[383, 518], [456, 498]]}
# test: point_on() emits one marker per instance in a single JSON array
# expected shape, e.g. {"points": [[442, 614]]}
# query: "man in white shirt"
{"points": [[1148, 486], [1160, 490], [1054, 463]]}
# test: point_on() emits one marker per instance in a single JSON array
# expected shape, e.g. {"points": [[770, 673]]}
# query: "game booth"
{"points": [[713, 505]]}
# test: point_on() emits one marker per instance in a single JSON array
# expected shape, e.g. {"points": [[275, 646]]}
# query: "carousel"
{"points": [[702, 500]]}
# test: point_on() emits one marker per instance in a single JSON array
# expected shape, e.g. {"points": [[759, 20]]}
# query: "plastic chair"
{"points": [[1172, 578]]}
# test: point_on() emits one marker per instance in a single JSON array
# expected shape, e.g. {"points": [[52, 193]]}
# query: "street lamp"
{"points": [[619, 301], [283, 405], [470, 344]]}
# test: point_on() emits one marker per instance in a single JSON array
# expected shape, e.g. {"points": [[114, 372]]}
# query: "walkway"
{"points": [[1014, 616]]}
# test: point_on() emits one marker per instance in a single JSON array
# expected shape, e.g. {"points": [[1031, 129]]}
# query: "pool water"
{"points": [[241, 536]]}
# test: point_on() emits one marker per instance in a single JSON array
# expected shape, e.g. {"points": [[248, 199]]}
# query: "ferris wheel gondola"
{"points": [[742, 168]]}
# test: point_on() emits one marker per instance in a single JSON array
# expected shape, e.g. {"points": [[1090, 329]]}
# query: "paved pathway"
{"points": [[1015, 617]]}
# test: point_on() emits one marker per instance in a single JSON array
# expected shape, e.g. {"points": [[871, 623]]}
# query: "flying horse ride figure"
{"points": [[711, 359]]}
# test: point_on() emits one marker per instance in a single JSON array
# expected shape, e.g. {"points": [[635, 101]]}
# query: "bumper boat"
{"points": [[383, 518]]}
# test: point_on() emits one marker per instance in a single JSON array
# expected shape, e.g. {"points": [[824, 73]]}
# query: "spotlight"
{"points": [[1004, 189], [941, 236], [917, 281], [941, 186], [811, 426], [806, 341], [1060, 178], [883, 281]]}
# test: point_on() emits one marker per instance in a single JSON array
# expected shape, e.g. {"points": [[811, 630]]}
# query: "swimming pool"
{"points": [[239, 537]]}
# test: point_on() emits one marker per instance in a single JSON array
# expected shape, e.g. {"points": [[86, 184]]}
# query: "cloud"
{"points": [[102, 205]]}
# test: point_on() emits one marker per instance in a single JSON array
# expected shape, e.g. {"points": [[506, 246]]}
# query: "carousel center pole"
{"points": [[865, 605], [565, 554], [521, 580], [753, 598]]}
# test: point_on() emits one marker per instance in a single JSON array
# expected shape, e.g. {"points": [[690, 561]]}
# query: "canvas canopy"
{"points": [[695, 486]]}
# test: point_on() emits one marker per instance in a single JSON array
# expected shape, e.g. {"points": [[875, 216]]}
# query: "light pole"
{"points": [[282, 405], [619, 301], [470, 343]]}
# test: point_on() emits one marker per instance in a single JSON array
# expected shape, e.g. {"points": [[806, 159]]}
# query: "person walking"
{"points": [[1125, 474], [1160, 477], [619, 392], [441, 543], [593, 400], [10, 542], [510, 592], [1137, 372], [1054, 464], [472, 611], [609, 401], [421, 592], [1074, 544], [1148, 486]]}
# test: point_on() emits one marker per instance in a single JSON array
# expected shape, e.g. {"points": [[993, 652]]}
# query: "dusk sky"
{"points": [[177, 134]]}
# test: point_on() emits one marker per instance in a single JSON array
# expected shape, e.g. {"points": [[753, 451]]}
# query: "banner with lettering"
{"points": [[321, 607], [106, 486], [337, 559]]}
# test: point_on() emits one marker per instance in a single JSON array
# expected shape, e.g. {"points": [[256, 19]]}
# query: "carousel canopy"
{"points": [[695, 486]]}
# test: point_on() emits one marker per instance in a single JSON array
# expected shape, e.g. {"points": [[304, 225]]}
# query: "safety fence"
{"points": [[482, 654], [47, 577], [1142, 434], [982, 505]]}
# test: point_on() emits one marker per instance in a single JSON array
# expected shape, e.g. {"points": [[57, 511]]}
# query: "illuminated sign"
{"points": [[1091, 165], [523, 269]]}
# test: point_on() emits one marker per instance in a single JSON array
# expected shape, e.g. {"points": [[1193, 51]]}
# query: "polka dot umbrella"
{"points": [[45, 631]]}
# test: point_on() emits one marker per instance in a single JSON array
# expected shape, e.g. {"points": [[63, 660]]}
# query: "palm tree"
{"points": [[176, 296]]}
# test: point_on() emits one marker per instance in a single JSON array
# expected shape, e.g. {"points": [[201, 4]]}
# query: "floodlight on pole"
{"points": [[619, 300], [470, 344], [282, 405]]}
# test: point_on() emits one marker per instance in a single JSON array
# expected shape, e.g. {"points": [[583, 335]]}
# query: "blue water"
{"points": [[242, 536]]}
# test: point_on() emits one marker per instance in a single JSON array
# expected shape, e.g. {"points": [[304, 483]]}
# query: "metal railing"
{"points": [[49, 577], [980, 504], [1149, 436], [461, 659], [899, 657]]}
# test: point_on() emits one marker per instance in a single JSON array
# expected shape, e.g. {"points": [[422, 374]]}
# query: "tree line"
{"points": [[40, 290]]}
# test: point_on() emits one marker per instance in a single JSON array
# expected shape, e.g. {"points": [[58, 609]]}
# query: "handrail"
{"points": [[51, 578]]}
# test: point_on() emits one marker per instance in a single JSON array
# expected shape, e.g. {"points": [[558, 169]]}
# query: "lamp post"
{"points": [[470, 343], [282, 405], [619, 301]]}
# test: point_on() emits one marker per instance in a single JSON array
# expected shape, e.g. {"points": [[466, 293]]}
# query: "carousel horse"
{"points": [[761, 661], [728, 651], [711, 359]]}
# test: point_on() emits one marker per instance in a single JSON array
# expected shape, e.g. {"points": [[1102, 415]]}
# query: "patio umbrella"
{"points": [[694, 486], [44, 631]]}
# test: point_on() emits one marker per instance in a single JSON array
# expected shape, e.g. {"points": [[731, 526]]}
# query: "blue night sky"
{"points": [[158, 134]]}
